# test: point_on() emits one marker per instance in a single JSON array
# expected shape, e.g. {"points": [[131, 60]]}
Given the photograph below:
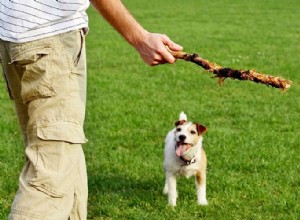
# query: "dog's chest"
{"points": [[188, 170]]}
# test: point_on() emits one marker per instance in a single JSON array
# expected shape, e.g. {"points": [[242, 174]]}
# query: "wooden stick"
{"points": [[223, 73]]}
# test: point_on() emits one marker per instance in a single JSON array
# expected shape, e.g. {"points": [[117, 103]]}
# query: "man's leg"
{"points": [[52, 84]]}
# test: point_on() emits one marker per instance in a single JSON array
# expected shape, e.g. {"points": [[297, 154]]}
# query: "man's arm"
{"points": [[151, 46]]}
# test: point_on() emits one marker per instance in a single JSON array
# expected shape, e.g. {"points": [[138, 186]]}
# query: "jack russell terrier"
{"points": [[185, 156]]}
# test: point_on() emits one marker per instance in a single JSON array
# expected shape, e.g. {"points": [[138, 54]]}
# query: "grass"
{"points": [[252, 142]]}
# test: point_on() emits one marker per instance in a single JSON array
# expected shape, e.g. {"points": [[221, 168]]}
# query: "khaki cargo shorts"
{"points": [[47, 81]]}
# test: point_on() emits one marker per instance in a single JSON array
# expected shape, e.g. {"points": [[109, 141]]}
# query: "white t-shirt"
{"points": [[28, 20]]}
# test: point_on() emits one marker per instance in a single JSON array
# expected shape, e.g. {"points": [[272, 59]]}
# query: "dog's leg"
{"points": [[166, 187], [170, 188], [201, 187]]}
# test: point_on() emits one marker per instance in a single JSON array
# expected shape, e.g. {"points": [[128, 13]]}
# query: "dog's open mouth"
{"points": [[181, 148]]}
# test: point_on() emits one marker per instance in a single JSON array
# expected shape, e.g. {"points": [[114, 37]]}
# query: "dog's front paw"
{"points": [[172, 202], [172, 197], [202, 202]]}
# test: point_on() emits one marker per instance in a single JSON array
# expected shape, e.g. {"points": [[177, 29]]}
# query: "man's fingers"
{"points": [[172, 45]]}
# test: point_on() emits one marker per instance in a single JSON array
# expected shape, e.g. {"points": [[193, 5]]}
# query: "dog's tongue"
{"points": [[181, 149]]}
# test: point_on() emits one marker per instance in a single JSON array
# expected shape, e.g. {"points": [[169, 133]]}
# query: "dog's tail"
{"points": [[182, 116]]}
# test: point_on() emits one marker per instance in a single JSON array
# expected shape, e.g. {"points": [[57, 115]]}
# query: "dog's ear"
{"points": [[180, 122], [201, 129]]}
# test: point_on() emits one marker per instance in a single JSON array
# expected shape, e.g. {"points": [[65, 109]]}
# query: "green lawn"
{"points": [[252, 143]]}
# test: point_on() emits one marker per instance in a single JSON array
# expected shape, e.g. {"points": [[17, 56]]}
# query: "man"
{"points": [[42, 51]]}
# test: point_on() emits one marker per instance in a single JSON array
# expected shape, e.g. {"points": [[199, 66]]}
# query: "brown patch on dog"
{"points": [[198, 178], [200, 129], [201, 174], [180, 122]]}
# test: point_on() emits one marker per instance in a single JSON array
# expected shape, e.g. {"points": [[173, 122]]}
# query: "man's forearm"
{"points": [[120, 18], [150, 46]]}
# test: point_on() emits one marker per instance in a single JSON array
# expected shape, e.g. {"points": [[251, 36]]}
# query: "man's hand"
{"points": [[153, 51]]}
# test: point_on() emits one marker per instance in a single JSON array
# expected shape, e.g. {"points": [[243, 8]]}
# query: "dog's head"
{"points": [[187, 135]]}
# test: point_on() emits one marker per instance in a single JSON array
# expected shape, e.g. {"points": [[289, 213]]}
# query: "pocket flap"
{"points": [[28, 56], [67, 132], [47, 190]]}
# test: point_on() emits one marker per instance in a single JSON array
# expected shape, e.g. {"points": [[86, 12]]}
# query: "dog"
{"points": [[184, 155]]}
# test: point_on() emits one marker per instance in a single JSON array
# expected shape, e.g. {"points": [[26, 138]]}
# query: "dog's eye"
{"points": [[178, 129], [193, 132]]}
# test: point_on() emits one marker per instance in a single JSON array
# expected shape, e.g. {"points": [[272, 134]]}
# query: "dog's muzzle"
{"points": [[182, 148], [186, 152]]}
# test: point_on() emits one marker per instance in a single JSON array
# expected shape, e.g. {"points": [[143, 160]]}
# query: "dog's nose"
{"points": [[182, 137]]}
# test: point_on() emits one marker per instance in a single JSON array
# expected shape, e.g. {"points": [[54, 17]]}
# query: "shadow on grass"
{"points": [[112, 195]]}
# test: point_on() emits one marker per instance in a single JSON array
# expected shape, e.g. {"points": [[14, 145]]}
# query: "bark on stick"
{"points": [[224, 72]]}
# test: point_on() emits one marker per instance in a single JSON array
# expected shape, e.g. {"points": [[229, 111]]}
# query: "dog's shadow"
{"points": [[132, 191], [125, 190]]}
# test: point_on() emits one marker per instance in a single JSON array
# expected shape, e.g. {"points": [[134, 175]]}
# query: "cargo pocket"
{"points": [[53, 159], [64, 131], [37, 80]]}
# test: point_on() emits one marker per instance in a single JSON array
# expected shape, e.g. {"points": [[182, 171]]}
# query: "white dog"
{"points": [[184, 155]]}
